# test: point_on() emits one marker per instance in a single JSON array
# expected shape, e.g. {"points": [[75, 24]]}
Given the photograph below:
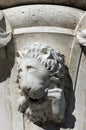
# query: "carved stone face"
{"points": [[33, 78], [42, 76]]}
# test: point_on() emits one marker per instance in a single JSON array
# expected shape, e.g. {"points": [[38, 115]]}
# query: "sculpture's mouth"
{"points": [[38, 94], [41, 100]]}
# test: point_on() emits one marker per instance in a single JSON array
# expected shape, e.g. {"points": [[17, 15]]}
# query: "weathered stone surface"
{"points": [[58, 32], [72, 3], [43, 15]]}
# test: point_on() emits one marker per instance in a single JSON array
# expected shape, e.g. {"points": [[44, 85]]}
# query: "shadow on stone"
{"points": [[7, 57], [83, 49], [50, 126], [69, 121]]}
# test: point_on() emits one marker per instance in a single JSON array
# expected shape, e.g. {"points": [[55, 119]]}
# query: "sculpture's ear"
{"points": [[55, 79]]}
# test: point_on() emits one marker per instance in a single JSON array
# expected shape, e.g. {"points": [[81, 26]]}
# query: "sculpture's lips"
{"points": [[37, 95], [41, 100]]}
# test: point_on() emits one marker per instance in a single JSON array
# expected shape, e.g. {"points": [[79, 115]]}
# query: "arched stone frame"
{"points": [[20, 36], [72, 3]]}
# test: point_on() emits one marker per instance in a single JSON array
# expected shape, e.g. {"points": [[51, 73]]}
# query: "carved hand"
{"points": [[58, 103]]}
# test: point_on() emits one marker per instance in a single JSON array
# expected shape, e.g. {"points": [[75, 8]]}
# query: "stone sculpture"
{"points": [[42, 78], [5, 36]]}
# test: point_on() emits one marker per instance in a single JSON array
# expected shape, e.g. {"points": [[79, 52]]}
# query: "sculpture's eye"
{"points": [[30, 68]]}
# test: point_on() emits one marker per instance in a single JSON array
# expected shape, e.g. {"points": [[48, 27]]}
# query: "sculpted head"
{"points": [[39, 67]]}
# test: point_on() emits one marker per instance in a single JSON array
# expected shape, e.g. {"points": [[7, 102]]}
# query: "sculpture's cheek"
{"points": [[25, 79]]}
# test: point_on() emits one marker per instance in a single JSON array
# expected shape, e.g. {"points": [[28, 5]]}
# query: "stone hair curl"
{"points": [[53, 61]]}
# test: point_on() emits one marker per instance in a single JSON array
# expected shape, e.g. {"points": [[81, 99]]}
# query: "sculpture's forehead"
{"points": [[32, 62]]}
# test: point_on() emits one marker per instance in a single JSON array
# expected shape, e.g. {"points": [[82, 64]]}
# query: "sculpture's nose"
{"points": [[26, 90]]}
